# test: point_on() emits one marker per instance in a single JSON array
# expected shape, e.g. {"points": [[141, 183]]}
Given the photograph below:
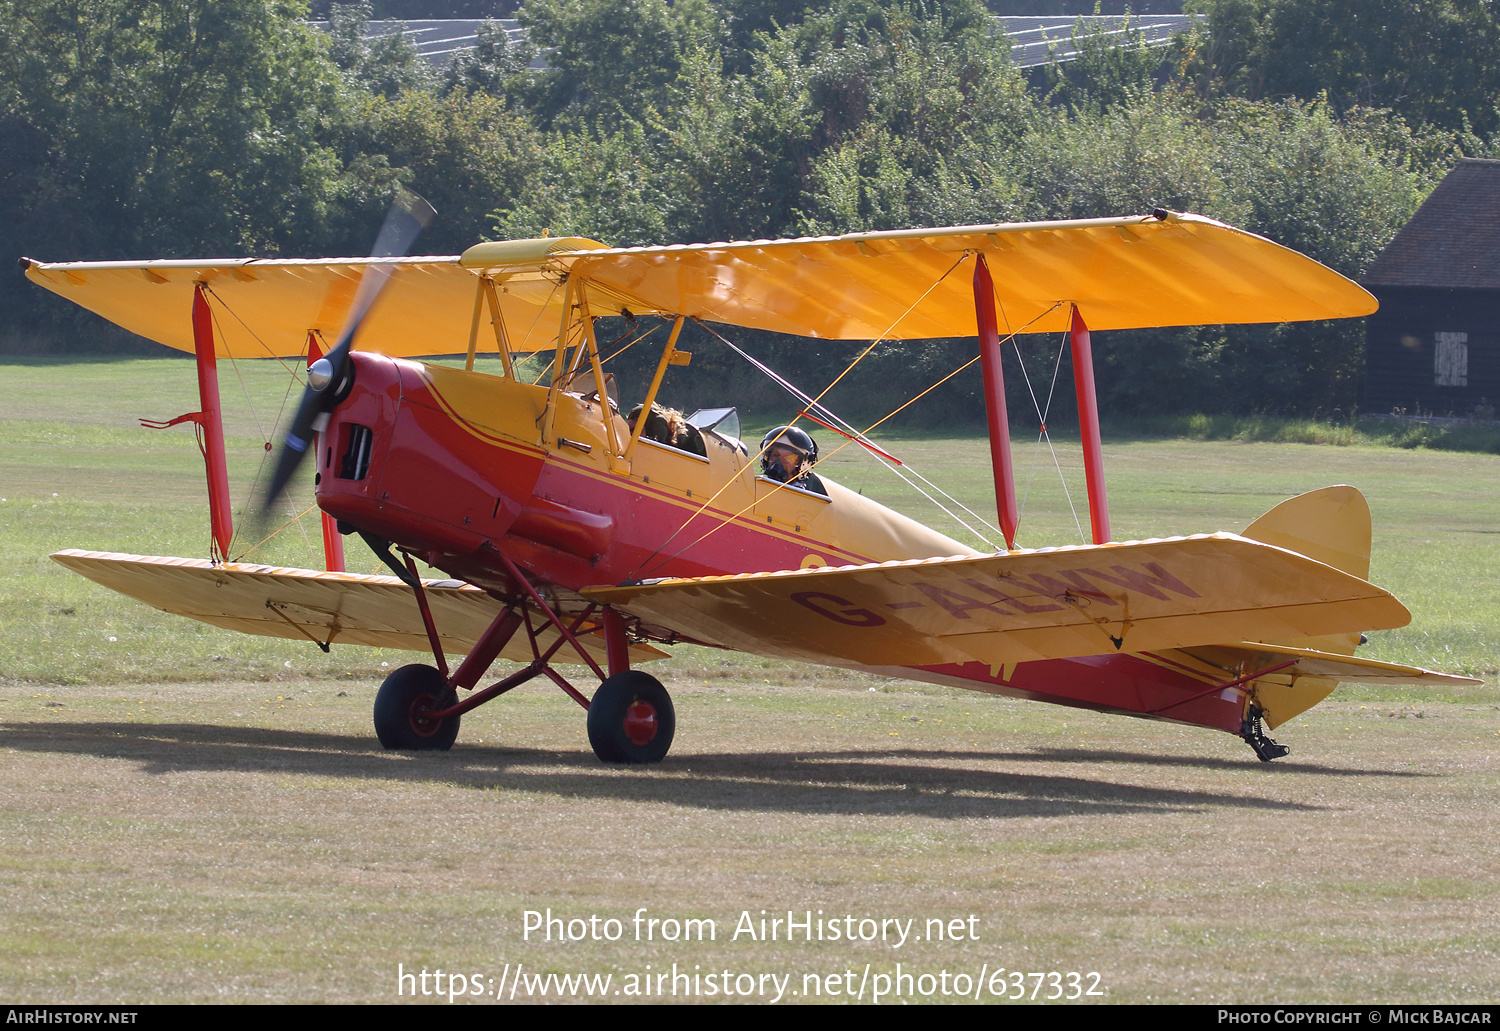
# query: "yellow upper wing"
{"points": [[1124, 273], [1021, 606]]}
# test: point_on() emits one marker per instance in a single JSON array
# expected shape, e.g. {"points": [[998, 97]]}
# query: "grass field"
{"points": [[190, 815]]}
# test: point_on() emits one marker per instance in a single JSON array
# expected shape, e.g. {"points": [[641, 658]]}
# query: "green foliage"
{"points": [[1337, 190], [736, 146], [886, 107], [1362, 431], [598, 187], [611, 61], [384, 65], [163, 130], [1097, 160], [190, 128], [169, 129], [1111, 67], [1436, 62], [467, 153], [494, 65]]}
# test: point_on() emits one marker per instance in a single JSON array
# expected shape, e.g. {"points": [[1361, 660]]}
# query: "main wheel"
{"points": [[631, 719], [403, 706]]}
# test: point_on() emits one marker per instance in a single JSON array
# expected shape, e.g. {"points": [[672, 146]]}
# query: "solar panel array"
{"points": [[1036, 40]]}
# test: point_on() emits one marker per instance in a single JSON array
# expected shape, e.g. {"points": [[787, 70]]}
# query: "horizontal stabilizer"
{"points": [[1351, 668], [301, 604], [1020, 606], [1287, 680]]}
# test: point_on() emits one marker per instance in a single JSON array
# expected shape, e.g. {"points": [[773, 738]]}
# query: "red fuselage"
{"points": [[453, 467]]}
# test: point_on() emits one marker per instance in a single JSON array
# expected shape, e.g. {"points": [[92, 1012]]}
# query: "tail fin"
{"points": [[1331, 525]]}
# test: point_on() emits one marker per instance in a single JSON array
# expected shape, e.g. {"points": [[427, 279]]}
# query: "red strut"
{"points": [[1088, 428], [333, 541], [994, 401], [220, 517]]}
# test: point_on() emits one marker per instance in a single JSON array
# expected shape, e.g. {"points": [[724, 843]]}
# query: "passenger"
{"points": [[667, 426], [787, 456]]}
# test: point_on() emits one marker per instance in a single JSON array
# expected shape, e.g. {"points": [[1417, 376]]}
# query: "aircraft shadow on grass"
{"points": [[900, 781]]}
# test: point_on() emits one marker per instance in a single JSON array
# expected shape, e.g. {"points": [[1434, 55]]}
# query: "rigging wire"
{"points": [[266, 451], [296, 518], [857, 437], [800, 396], [540, 311], [1043, 433], [616, 354], [727, 520], [814, 402]]}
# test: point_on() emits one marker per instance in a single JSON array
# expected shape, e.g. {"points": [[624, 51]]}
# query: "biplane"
{"points": [[571, 537]]}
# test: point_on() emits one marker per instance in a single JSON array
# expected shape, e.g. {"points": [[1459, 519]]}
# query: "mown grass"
{"points": [[1362, 431], [231, 842]]}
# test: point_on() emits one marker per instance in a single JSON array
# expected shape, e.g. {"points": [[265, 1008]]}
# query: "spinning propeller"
{"points": [[326, 377]]}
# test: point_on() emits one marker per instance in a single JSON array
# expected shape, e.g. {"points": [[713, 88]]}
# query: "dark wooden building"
{"points": [[1434, 346]]}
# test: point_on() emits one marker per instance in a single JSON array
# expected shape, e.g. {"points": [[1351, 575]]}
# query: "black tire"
{"points": [[631, 719], [400, 707]]}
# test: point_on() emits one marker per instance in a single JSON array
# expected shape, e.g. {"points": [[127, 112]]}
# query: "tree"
{"points": [[1435, 62], [387, 64], [170, 129], [611, 62], [495, 63], [183, 127], [467, 153]]}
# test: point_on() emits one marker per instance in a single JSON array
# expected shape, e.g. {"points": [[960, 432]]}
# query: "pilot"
{"points": [[787, 456]]}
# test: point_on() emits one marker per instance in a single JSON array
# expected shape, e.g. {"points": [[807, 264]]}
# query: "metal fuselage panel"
{"points": [[452, 466]]}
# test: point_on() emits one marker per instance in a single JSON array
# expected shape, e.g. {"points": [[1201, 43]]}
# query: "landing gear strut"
{"points": [[630, 719], [1255, 736]]}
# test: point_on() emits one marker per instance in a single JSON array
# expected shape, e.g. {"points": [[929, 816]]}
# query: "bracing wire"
{"points": [[1043, 433], [296, 518], [812, 407], [540, 311], [814, 402], [294, 379], [638, 339]]}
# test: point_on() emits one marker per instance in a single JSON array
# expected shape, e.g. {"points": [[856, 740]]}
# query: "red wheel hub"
{"points": [[421, 716], [640, 723]]}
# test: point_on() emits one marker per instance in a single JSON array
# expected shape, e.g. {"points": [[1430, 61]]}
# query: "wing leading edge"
{"points": [[301, 604], [1020, 606]]}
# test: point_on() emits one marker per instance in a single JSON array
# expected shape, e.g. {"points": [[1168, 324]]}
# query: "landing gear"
{"points": [[1255, 736], [631, 719], [403, 708]]}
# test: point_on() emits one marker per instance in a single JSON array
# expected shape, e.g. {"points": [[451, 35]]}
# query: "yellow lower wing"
{"points": [[1020, 606], [337, 608]]}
